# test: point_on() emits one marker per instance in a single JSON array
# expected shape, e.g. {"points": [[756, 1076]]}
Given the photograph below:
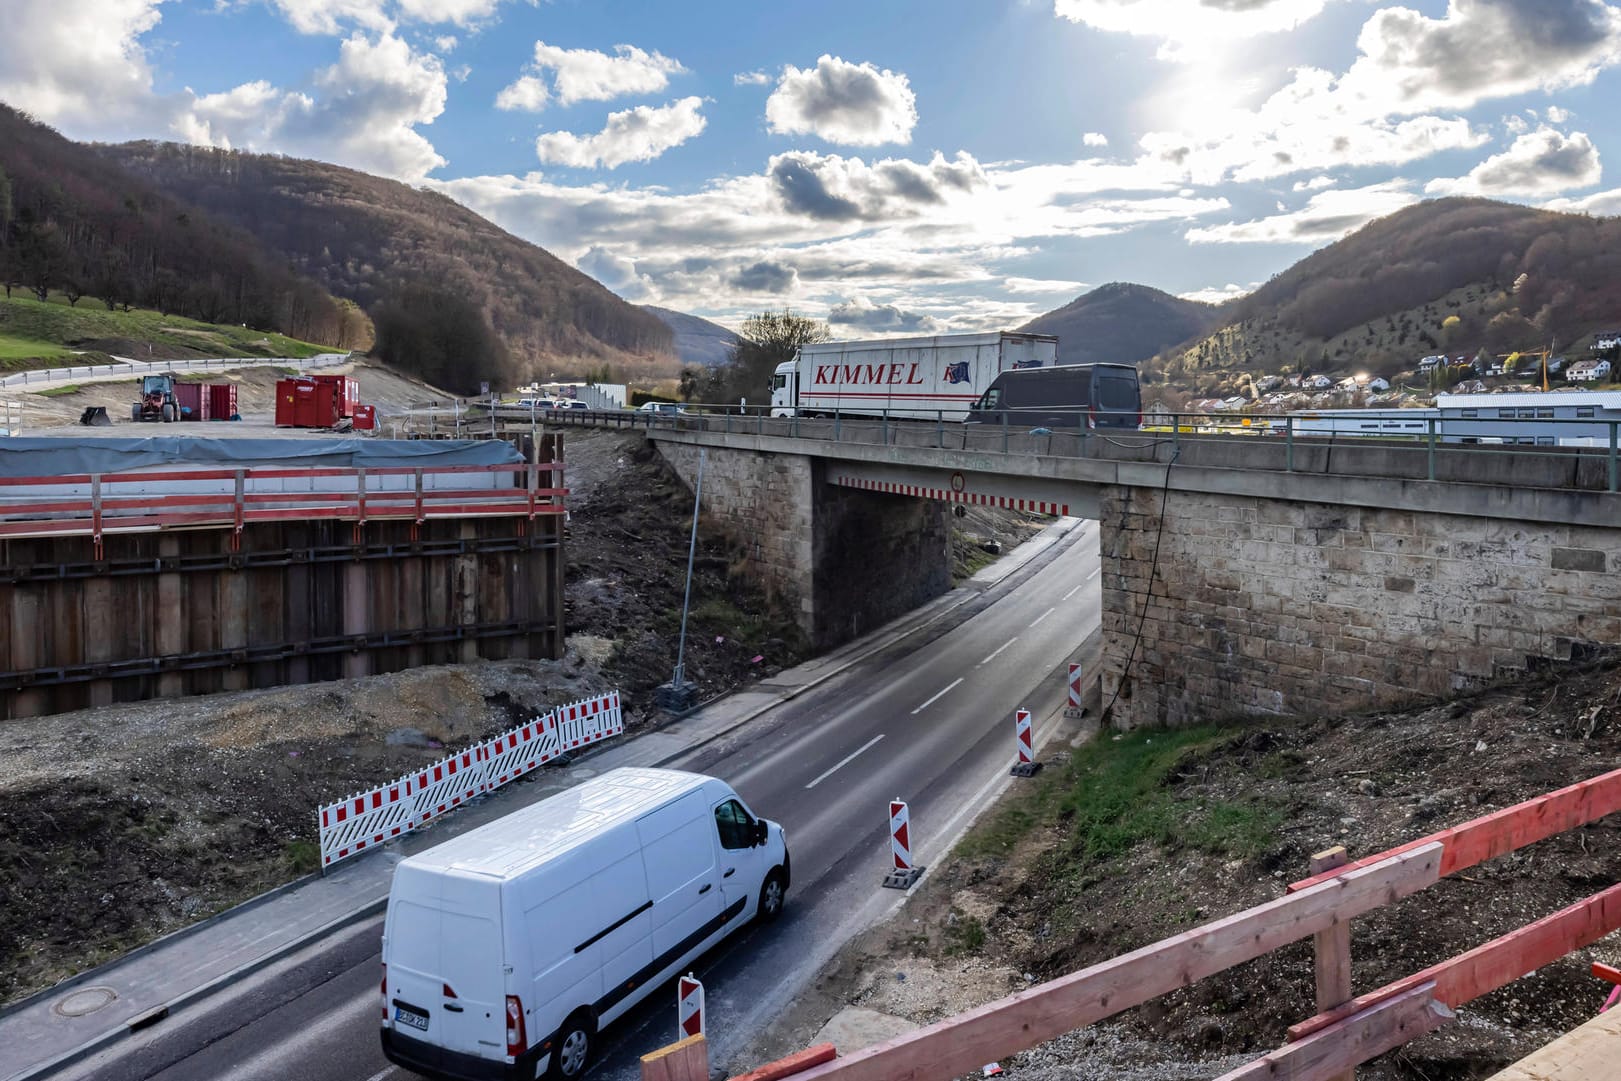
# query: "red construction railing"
{"points": [[1335, 1040], [232, 498]]}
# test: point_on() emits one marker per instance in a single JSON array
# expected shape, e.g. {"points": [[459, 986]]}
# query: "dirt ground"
{"points": [[144, 817], [1367, 782]]}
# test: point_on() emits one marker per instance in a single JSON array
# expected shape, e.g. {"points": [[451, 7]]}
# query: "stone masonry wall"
{"points": [[844, 561], [1268, 607]]}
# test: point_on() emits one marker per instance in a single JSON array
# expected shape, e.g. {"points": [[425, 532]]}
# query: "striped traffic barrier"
{"points": [[904, 872], [689, 1007], [1027, 766], [1074, 709]]}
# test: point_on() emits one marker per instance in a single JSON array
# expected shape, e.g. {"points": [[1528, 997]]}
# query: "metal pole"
{"points": [[1430, 446], [885, 429], [836, 424], [1289, 443], [1004, 431], [680, 676], [940, 428], [1614, 426]]}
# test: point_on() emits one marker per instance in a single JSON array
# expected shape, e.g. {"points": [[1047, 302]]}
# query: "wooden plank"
{"points": [[794, 1064], [684, 1061], [1487, 967], [1490, 836], [962, 1044], [1587, 1053], [1333, 952], [1336, 1051]]}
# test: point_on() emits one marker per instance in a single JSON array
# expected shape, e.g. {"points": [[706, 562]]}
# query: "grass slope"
{"points": [[39, 335]]}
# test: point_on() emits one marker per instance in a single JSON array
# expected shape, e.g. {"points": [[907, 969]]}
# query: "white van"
{"points": [[506, 950]]}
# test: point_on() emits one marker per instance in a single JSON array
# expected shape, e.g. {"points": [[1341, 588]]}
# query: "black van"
{"points": [[1069, 396]]}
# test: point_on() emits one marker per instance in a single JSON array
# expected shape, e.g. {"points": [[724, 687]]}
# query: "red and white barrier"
{"points": [[353, 824], [689, 1007], [370, 818], [1074, 707], [904, 872], [450, 782], [1027, 766]]}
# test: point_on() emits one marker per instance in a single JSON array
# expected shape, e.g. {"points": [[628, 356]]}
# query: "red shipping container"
{"points": [[347, 392], [192, 399], [222, 401], [305, 403], [365, 418], [286, 398]]}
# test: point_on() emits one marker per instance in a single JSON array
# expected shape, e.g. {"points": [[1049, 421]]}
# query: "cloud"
{"points": [[1326, 217], [750, 78], [867, 316], [1044, 286], [588, 75], [460, 12], [364, 112], [765, 277], [1220, 294], [445, 42], [1189, 23], [639, 134], [528, 94], [1542, 162], [835, 188], [78, 64], [1094, 138], [330, 16], [615, 271], [1602, 203], [840, 102]]}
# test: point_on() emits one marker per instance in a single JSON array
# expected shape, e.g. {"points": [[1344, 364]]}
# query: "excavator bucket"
{"points": [[95, 416]]}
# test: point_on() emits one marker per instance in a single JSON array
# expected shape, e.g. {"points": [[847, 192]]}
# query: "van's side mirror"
{"points": [[760, 832]]}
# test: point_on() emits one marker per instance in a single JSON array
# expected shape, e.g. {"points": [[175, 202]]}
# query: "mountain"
{"points": [[76, 223], [375, 240], [697, 341], [1123, 323], [1445, 276]]}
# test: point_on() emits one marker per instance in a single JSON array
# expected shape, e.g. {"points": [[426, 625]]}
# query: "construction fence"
{"points": [[367, 819]]}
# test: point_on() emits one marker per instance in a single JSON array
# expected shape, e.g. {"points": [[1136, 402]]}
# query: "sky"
{"points": [[890, 167]]}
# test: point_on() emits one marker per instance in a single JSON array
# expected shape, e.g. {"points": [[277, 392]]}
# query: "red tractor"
{"points": [[157, 400]]}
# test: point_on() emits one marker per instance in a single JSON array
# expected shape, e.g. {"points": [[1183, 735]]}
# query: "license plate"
{"points": [[405, 1015]]}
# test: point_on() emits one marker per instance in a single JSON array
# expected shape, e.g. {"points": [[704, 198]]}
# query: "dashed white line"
{"points": [[1094, 573], [851, 757], [1072, 592], [1044, 615], [937, 697], [992, 657]]}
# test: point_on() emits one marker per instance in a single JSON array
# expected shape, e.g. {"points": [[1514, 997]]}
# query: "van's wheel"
{"points": [[573, 1052], [771, 895]]}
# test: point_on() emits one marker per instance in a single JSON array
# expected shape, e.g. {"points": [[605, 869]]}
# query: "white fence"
{"points": [[11, 417], [130, 369], [367, 819]]}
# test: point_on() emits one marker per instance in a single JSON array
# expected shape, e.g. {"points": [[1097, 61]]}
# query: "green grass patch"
{"points": [[1117, 793], [57, 392], [16, 348], [964, 934], [721, 615], [54, 323], [302, 856]]}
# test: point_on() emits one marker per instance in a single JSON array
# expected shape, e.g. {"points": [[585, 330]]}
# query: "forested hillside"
{"points": [[1450, 275], [75, 222], [1123, 323], [374, 240]]}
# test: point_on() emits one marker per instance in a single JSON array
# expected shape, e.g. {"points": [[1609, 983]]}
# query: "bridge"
{"points": [[1262, 575]]}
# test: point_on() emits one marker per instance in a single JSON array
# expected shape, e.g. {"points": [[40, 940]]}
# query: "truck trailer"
{"points": [[919, 378]]}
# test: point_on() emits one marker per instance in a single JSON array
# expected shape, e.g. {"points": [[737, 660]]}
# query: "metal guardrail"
{"points": [[124, 369], [1590, 448], [93, 504]]}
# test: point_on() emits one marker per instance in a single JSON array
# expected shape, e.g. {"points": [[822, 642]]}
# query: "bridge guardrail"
{"points": [[1582, 454]]}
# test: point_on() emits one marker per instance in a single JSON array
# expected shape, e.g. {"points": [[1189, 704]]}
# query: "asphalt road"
{"points": [[927, 719]]}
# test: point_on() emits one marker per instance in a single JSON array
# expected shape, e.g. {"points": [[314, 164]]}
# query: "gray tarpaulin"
{"points": [[45, 457]]}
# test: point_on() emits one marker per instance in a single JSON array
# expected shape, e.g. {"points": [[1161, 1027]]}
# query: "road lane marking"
{"points": [[1074, 591], [380, 1074], [846, 760], [937, 697], [1094, 573], [989, 659], [1044, 615]]}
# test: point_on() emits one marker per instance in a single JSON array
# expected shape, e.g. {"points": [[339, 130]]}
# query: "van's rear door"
{"points": [[445, 980]]}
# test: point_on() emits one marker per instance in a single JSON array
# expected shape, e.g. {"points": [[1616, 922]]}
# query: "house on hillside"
{"points": [[1470, 386], [1378, 384], [1606, 340], [1268, 383], [1588, 371], [1430, 363], [1318, 382]]}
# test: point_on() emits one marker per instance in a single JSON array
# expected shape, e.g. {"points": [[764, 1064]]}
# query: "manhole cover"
{"points": [[85, 1000]]}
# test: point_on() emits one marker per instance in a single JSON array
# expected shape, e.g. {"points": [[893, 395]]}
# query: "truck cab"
{"points": [[785, 389]]}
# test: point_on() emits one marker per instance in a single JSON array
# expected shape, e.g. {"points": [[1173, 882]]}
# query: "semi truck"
{"points": [[920, 378]]}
